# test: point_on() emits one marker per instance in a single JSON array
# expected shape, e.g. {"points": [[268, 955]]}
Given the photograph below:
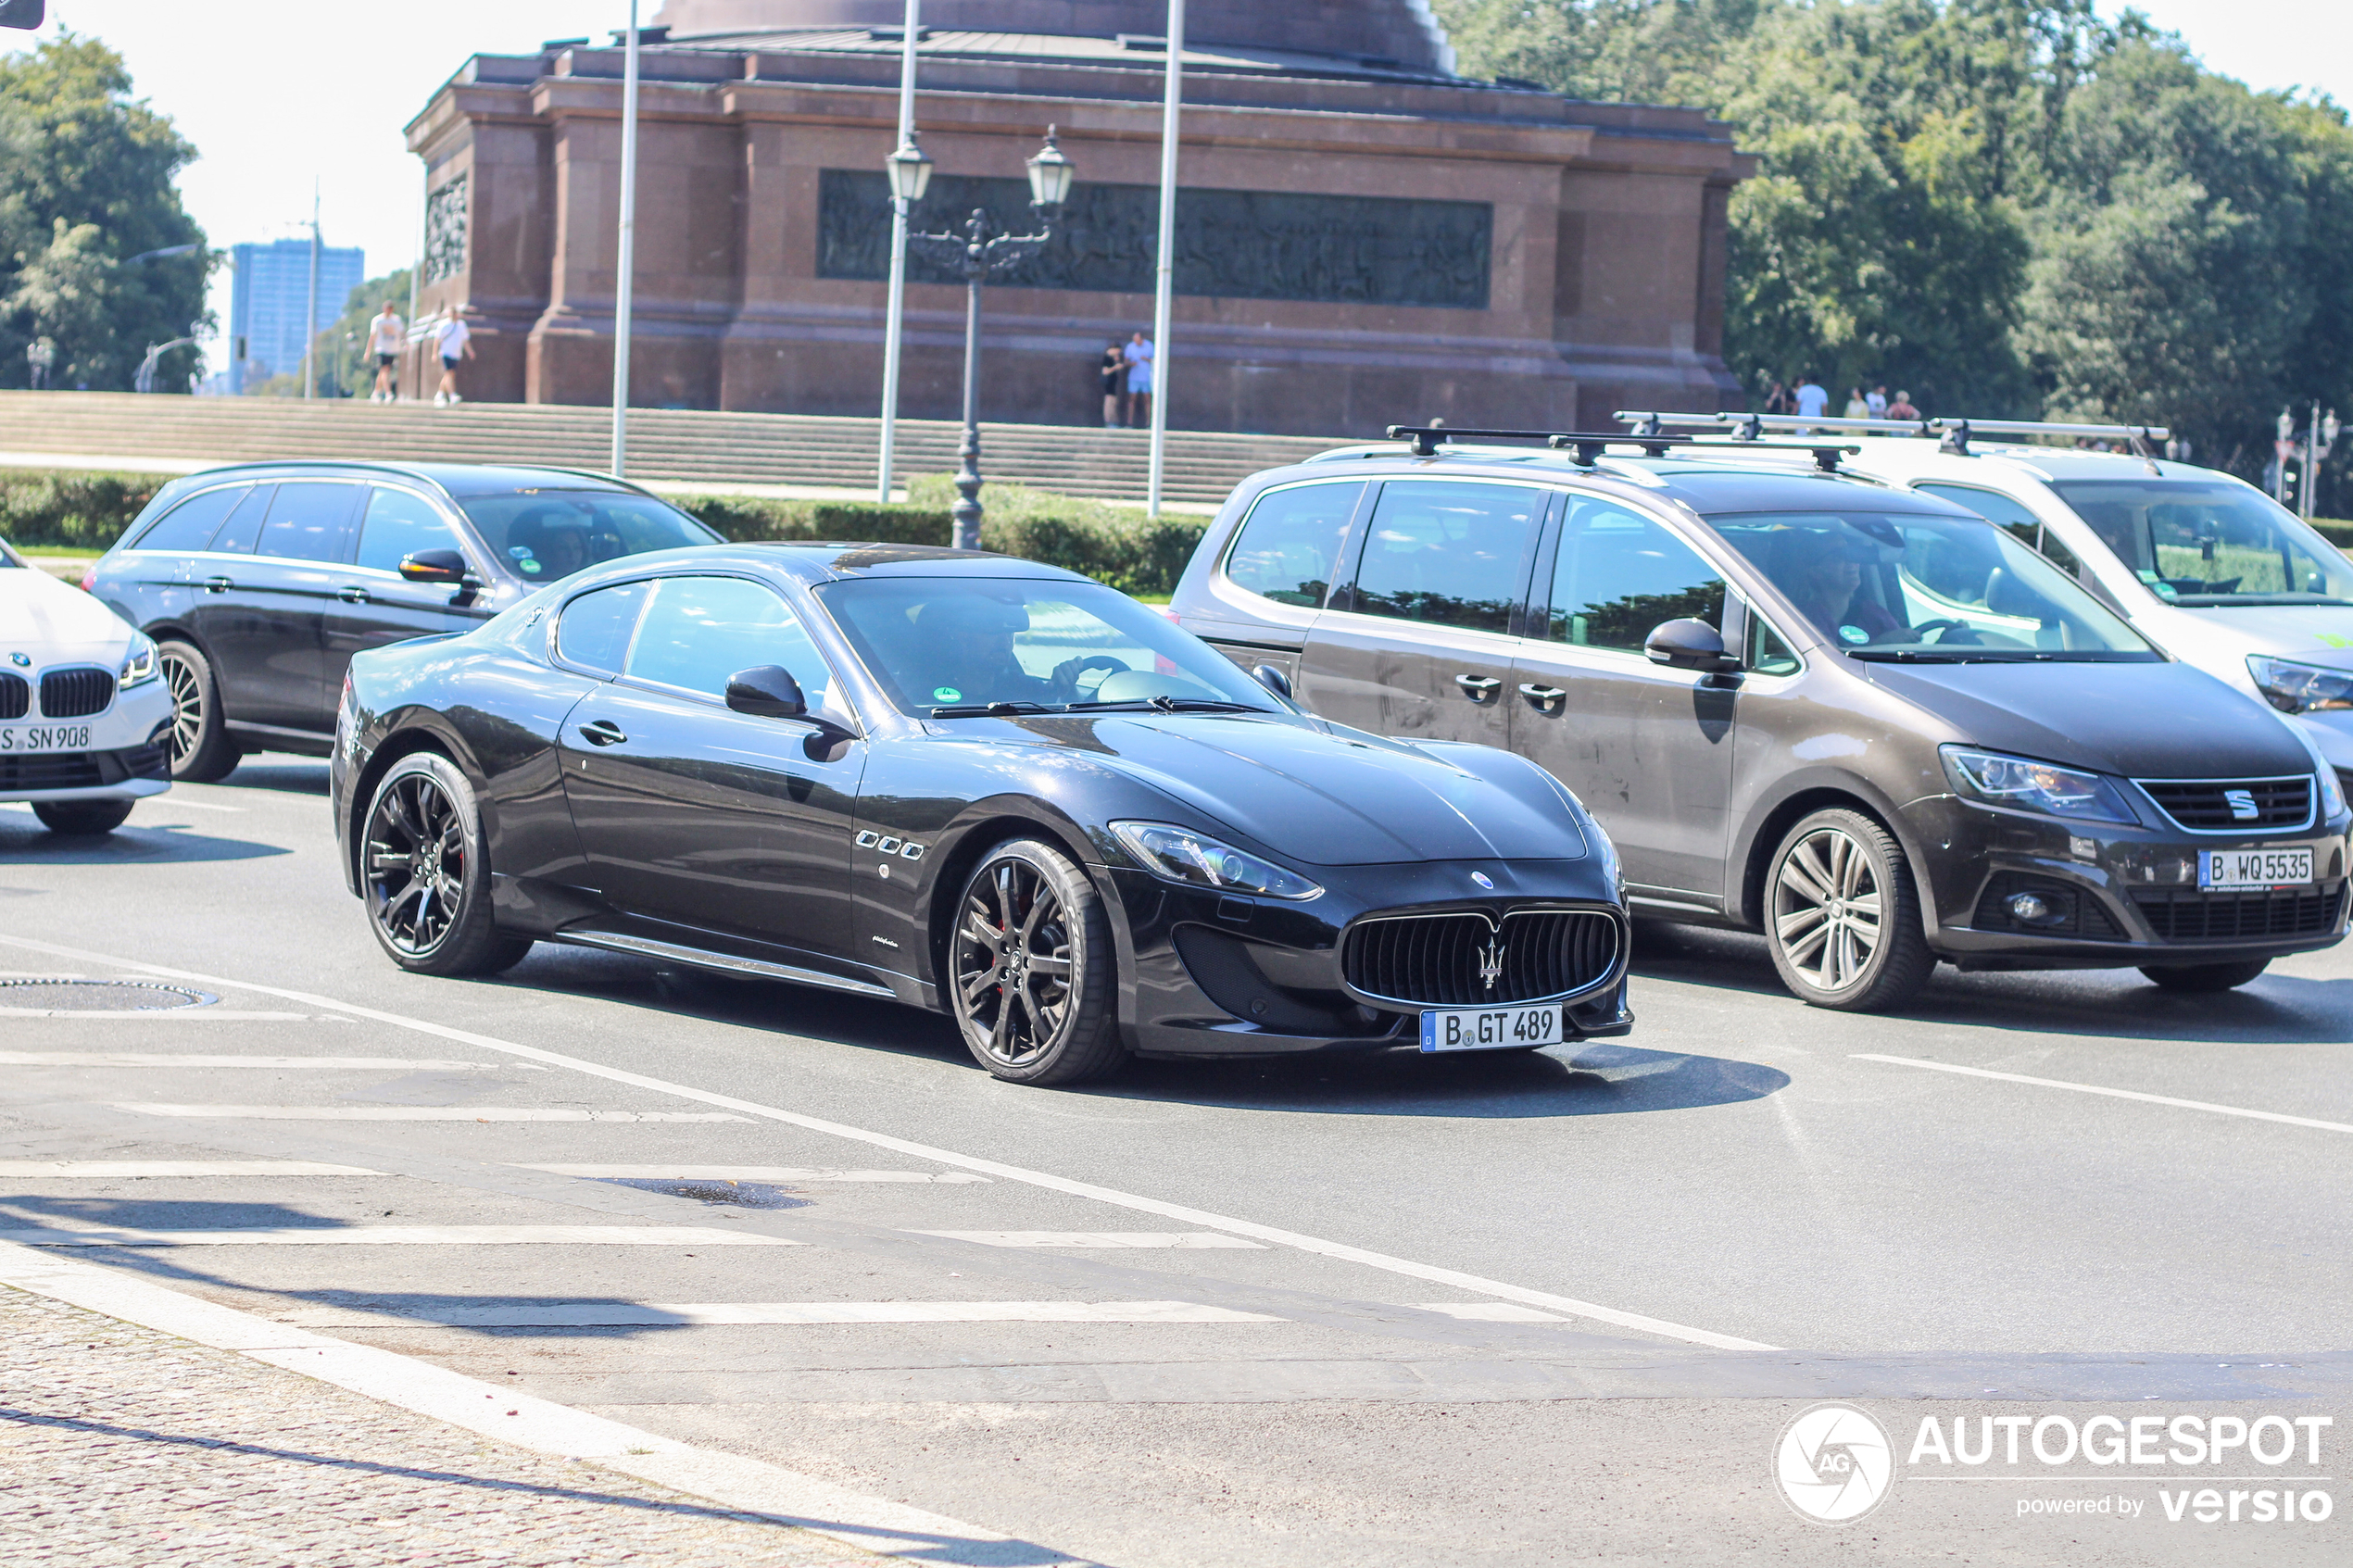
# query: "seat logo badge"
{"points": [[1490, 964], [21, 661], [1484, 880], [2241, 802]]}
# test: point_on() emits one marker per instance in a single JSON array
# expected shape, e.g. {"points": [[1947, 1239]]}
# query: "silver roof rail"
{"points": [[1954, 433]]}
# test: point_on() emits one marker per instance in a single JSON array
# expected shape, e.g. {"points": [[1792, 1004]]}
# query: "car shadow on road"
{"points": [[288, 775], [24, 842]]}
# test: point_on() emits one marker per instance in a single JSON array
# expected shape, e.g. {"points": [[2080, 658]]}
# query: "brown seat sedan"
{"points": [[1862, 721]]}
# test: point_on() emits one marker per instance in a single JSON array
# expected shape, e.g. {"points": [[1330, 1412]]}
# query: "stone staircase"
{"points": [[721, 449]]}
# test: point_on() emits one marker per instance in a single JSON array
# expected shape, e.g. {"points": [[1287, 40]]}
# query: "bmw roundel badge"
{"points": [[21, 661]]}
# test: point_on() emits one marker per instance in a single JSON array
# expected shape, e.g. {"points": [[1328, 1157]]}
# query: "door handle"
{"points": [[218, 585], [603, 732], [1479, 688], [352, 594], [1545, 697]]}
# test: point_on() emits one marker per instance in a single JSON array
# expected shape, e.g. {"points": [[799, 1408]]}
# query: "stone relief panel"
{"points": [[446, 230], [1235, 244]]}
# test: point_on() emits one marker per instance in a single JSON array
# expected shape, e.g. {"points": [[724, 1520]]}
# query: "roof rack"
{"points": [[1952, 434], [1587, 446]]}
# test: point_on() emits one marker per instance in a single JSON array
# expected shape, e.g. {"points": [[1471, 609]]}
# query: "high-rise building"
{"points": [[268, 287]]}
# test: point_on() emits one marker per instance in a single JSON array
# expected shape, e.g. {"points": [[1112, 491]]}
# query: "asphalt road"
{"points": [[1391, 1311]]}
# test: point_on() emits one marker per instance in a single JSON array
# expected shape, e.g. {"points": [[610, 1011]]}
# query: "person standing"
{"points": [[453, 343], [1858, 406], [1902, 408], [1812, 401], [387, 335], [1877, 398], [1777, 400], [1139, 355], [1115, 373]]}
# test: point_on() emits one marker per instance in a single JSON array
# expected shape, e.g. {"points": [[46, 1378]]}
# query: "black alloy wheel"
{"points": [[1029, 968], [1842, 916], [2205, 976], [426, 874], [199, 740]]}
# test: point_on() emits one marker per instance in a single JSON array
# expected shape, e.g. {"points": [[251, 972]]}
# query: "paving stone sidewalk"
{"points": [[122, 1446]]}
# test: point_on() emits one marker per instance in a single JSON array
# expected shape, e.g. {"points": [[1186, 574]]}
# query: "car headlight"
{"points": [[2028, 785], [2300, 688], [1198, 860], [139, 664], [2332, 789]]}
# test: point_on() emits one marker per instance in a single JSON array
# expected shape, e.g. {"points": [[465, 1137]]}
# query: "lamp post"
{"points": [[979, 256], [143, 380], [2321, 436], [40, 354]]}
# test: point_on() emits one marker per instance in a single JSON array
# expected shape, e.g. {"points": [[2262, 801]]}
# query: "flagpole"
{"points": [[628, 260], [895, 325], [1166, 274]]}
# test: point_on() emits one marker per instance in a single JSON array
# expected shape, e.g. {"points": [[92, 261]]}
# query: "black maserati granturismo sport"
{"points": [[969, 784]]}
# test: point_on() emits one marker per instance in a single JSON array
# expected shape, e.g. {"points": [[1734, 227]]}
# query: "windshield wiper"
{"points": [[991, 709], [1907, 656], [1167, 705]]}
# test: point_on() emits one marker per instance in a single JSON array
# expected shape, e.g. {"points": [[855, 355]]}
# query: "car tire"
{"points": [[425, 871], [1031, 968], [1843, 915], [81, 817], [199, 739], [2204, 976]]}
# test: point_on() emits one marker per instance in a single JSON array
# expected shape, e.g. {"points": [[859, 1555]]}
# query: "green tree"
{"points": [[85, 183]]}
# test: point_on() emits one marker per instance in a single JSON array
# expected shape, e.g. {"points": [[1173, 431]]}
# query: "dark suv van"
{"points": [[1860, 720], [259, 581]]}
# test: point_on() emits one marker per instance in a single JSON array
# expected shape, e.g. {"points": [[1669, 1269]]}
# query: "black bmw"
{"points": [[972, 784]]}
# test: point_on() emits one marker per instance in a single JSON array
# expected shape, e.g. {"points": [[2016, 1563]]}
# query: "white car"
{"points": [[2210, 568], [83, 713]]}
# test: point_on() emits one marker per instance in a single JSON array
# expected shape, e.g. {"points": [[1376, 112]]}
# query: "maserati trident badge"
{"points": [[1490, 964], [1484, 880]]}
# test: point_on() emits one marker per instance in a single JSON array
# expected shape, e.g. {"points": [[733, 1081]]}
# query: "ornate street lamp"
{"points": [[980, 256]]}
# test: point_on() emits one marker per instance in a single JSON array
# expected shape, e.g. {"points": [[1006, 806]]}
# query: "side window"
{"points": [[1447, 553], [595, 628], [1768, 655], [307, 522], [238, 534], [1286, 548], [400, 523], [192, 523], [1999, 509], [702, 629], [1619, 574]]}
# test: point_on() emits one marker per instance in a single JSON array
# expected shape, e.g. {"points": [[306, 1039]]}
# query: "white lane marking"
{"points": [[79, 1169], [1491, 1311], [1428, 1274], [419, 1113], [747, 1174], [402, 1236], [200, 1014], [325, 1063], [624, 1314], [1097, 1238], [2112, 1094], [752, 1486]]}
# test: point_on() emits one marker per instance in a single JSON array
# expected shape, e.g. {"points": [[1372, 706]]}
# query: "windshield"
{"points": [[545, 534], [1923, 588], [952, 645], [2209, 542]]}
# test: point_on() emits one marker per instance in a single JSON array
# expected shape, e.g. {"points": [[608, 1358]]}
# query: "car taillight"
{"points": [[1170, 611], [90, 579]]}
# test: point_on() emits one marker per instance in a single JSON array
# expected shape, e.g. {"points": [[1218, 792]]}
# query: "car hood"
{"points": [[45, 618], [2143, 720], [1333, 796], [2307, 634]]}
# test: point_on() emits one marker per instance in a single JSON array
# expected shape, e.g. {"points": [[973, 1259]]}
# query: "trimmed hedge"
{"points": [[1113, 543]]}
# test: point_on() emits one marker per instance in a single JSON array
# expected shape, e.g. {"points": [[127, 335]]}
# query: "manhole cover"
{"points": [[95, 995], [742, 1194]]}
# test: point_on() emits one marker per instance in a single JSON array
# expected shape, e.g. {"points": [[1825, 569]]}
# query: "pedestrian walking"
{"points": [[1877, 398], [1812, 401], [1902, 408], [1858, 406], [1115, 372], [453, 343], [387, 335], [1139, 355]]}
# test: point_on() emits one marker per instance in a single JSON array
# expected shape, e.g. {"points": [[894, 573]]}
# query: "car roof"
{"points": [[1913, 455], [455, 480], [834, 560]]}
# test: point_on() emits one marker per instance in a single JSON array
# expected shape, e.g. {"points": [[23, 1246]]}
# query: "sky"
{"points": [[276, 93]]}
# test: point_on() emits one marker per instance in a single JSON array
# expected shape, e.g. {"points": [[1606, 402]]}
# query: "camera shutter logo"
{"points": [[1834, 1463]]}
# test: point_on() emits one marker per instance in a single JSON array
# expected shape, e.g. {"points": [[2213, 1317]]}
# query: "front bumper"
{"points": [[116, 755], [2128, 894], [1205, 974]]}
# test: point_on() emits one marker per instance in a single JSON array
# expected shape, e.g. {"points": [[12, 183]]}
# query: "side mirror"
{"points": [[767, 691], [1687, 644], [1273, 680], [433, 566]]}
